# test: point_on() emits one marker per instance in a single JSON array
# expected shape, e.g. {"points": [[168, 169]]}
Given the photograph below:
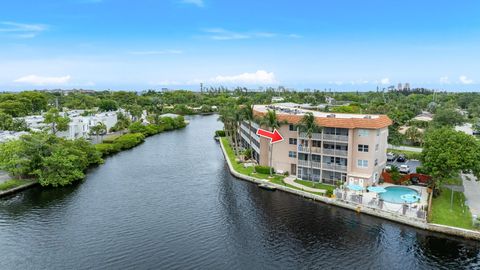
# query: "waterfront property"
{"points": [[350, 148]]}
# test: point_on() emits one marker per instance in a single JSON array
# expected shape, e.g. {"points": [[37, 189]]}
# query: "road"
{"points": [[405, 148], [472, 193]]}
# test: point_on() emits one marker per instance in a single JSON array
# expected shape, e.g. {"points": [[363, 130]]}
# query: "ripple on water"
{"points": [[171, 204]]}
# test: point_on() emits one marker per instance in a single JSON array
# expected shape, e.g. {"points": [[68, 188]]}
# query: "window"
{"points": [[376, 147], [292, 141], [292, 154], [363, 132], [362, 163], [376, 161], [362, 148], [378, 132], [316, 143], [292, 127]]}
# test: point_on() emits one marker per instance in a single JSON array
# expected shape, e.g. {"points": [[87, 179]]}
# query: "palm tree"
{"points": [[309, 126], [237, 118], [271, 121], [230, 116], [248, 116], [414, 135], [99, 129]]}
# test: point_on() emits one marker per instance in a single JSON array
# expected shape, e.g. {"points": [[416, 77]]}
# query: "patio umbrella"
{"points": [[377, 189], [410, 198]]}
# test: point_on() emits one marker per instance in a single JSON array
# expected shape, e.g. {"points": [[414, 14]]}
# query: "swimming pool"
{"points": [[393, 194]]}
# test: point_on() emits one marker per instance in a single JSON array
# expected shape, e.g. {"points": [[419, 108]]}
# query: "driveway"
{"points": [[413, 164], [472, 193]]}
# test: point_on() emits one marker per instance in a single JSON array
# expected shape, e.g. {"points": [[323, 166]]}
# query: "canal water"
{"points": [[172, 204]]}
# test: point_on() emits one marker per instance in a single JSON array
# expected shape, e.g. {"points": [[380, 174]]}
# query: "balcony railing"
{"points": [[304, 149], [334, 167], [306, 163], [333, 152], [331, 137], [315, 136]]}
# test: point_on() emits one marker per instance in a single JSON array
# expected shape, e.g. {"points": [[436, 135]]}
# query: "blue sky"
{"points": [[142, 44]]}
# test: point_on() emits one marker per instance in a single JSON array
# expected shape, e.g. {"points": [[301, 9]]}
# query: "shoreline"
{"points": [[437, 228]]}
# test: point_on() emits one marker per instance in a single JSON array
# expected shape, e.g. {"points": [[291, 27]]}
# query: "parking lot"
{"points": [[413, 164]]}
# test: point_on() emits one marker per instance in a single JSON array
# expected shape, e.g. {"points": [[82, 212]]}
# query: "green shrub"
{"points": [[421, 170], [263, 169], [220, 133], [128, 141], [106, 148], [329, 193]]}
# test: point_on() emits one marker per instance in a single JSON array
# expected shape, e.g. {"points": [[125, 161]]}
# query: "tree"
{"points": [[447, 152], [414, 135], [249, 117], [107, 105], [60, 168], [270, 120], [55, 121], [99, 129], [6, 121], [309, 126], [448, 117]]}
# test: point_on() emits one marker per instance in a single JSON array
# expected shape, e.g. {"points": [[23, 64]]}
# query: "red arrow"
{"points": [[273, 136]]}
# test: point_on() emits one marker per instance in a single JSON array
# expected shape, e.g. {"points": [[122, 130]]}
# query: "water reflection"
{"points": [[171, 203]]}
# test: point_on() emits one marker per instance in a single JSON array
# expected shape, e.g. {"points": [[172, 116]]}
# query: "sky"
{"points": [[154, 44]]}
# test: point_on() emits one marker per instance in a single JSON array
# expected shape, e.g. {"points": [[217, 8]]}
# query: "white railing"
{"points": [[306, 163], [315, 136], [332, 137], [307, 149], [334, 167], [342, 153]]}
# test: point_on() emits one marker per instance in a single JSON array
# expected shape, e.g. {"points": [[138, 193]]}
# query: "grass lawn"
{"points": [[316, 185], [13, 183], [459, 216]]}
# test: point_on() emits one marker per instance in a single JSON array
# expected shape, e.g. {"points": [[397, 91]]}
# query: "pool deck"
{"points": [[370, 199]]}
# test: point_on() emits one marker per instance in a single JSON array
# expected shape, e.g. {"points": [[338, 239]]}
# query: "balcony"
{"points": [[332, 152], [306, 163], [331, 137], [334, 167], [315, 136], [303, 149]]}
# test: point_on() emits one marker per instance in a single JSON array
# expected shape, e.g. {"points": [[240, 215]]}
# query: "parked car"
{"points": [[388, 167], [391, 157], [404, 169], [401, 158]]}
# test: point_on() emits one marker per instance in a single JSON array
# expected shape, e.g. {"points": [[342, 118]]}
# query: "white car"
{"points": [[404, 169]]}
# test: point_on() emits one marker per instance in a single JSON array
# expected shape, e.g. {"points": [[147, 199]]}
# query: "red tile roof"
{"points": [[381, 121]]}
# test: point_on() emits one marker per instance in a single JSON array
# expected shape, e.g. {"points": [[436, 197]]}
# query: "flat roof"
{"points": [[288, 112]]}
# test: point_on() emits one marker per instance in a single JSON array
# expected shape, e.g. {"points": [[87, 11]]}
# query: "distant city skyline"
{"points": [[341, 45]]}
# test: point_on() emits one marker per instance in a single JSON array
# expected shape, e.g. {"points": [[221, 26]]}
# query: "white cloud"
{"points": [[222, 34], [42, 80], [198, 3], [444, 80], [156, 52], [21, 30], [259, 77], [464, 80], [385, 81]]}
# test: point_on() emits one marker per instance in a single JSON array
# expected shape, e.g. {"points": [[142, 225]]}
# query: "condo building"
{"points": [[350, 148]]}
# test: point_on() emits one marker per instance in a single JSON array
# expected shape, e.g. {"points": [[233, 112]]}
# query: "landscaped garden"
{"points": [[276, 179]]}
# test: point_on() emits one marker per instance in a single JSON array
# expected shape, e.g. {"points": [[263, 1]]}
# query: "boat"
{"points": [[267, 187]]}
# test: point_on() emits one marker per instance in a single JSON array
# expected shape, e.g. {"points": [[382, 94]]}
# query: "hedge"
{"points": [[220, 133], [263, 169]]}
